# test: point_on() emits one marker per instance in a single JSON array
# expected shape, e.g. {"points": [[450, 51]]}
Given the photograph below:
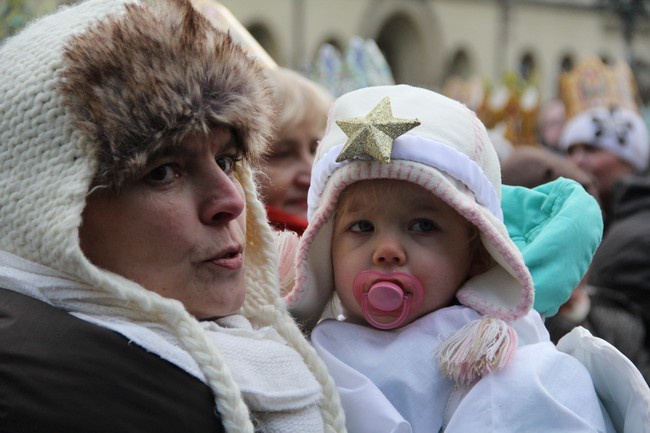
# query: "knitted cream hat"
{"points": [[618, 130], [449, 154], [86, 94]]}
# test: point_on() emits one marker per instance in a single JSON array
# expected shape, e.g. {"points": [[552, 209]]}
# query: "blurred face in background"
{"points": [[302, 117], [288, 169], [551, 122], [605, 166]]}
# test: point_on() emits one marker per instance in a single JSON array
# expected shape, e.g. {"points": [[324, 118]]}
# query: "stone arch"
{"points": [[409, 37], [264, 36], [567, 62], [459, 64], [528, 66], [606, 58], [333, 41]]}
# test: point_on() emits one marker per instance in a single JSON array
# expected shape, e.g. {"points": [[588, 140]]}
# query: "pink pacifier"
{"points": [[387, 294]]}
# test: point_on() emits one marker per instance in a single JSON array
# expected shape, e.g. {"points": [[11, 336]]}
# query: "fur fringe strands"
{"points": [[131, 102], [286, 242], [478, 348]]}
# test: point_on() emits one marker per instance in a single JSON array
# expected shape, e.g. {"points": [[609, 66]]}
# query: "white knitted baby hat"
{"points": [[618, 130], [85, 95], [449, 154]]}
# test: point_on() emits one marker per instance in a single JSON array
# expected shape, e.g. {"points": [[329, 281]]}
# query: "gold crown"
{"points": [[512, 105], [592, 83]]}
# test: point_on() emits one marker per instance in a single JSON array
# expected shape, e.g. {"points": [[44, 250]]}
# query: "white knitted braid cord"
{"points": [[148, 306], [332, 412], [265, 307]]}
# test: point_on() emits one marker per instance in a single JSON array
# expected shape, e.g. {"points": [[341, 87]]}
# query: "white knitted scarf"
{"points": [[279, 389]]}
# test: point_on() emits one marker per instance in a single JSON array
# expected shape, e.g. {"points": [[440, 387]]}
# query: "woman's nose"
{"points": [[578, 156], [303, 175], [303, 179], [223, 199], [389, 252]]}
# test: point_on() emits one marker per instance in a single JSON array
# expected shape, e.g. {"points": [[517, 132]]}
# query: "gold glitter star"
{"points": [[373, 135]]}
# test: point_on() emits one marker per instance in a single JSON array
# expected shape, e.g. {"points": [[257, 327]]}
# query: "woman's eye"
{"points": [[161, 174], [228, 163], [362, 227], [423, 225], [280, 154], [313, 146]]}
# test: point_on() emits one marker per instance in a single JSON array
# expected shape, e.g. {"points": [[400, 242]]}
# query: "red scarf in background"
{"points": [[282, 220]]}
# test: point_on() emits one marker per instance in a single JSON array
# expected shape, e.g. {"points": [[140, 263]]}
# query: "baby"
{"points": [[436, 331]]}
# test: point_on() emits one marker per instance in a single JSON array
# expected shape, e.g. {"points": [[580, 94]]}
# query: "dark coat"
{"points": [[613, 318], [59, 373], [622, 262]]}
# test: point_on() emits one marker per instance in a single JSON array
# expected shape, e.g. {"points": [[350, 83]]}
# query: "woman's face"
{"points": [[288, 168], [605, 166], [178, 229]]}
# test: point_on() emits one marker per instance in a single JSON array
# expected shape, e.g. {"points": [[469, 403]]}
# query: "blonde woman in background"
{"points": [[302, 116]]}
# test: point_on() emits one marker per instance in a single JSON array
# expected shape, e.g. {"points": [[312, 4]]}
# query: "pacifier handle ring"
{"points": [[406, 309]]}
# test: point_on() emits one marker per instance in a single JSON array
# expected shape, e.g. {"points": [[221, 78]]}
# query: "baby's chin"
{"points": [[383, 319]]}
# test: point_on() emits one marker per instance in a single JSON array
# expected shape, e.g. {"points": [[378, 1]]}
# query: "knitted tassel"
{"points": [[478, 348]]}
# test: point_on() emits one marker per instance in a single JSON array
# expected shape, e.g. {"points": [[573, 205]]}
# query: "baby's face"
{"points": [[390, 226]]}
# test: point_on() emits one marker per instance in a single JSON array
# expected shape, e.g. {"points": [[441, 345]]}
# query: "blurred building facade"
{"points": [[426, 41]]}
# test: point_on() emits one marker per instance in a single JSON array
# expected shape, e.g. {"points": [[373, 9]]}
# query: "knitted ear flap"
{"points": [[478, 348]]}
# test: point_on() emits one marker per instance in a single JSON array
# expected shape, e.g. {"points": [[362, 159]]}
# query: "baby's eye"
{"points": [[423, 225], [362, 226], [161, 174], [228, 163]]}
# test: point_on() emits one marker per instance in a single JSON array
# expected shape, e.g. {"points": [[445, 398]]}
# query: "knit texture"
{"points": [[59, 134]]}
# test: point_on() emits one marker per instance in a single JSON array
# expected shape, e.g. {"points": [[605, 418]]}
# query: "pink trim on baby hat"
{"points": [[473, 213], [421, 150], [463, 202], [326, 211]]}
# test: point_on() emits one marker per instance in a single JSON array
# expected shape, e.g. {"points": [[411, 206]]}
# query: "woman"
{"points": [[138, 289], [303, 107]]}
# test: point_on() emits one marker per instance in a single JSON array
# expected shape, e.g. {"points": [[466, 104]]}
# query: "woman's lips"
{"points": [[231, 261]]}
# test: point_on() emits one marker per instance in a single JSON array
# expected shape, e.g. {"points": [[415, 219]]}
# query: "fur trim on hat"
{"points": [[130, 113]]}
